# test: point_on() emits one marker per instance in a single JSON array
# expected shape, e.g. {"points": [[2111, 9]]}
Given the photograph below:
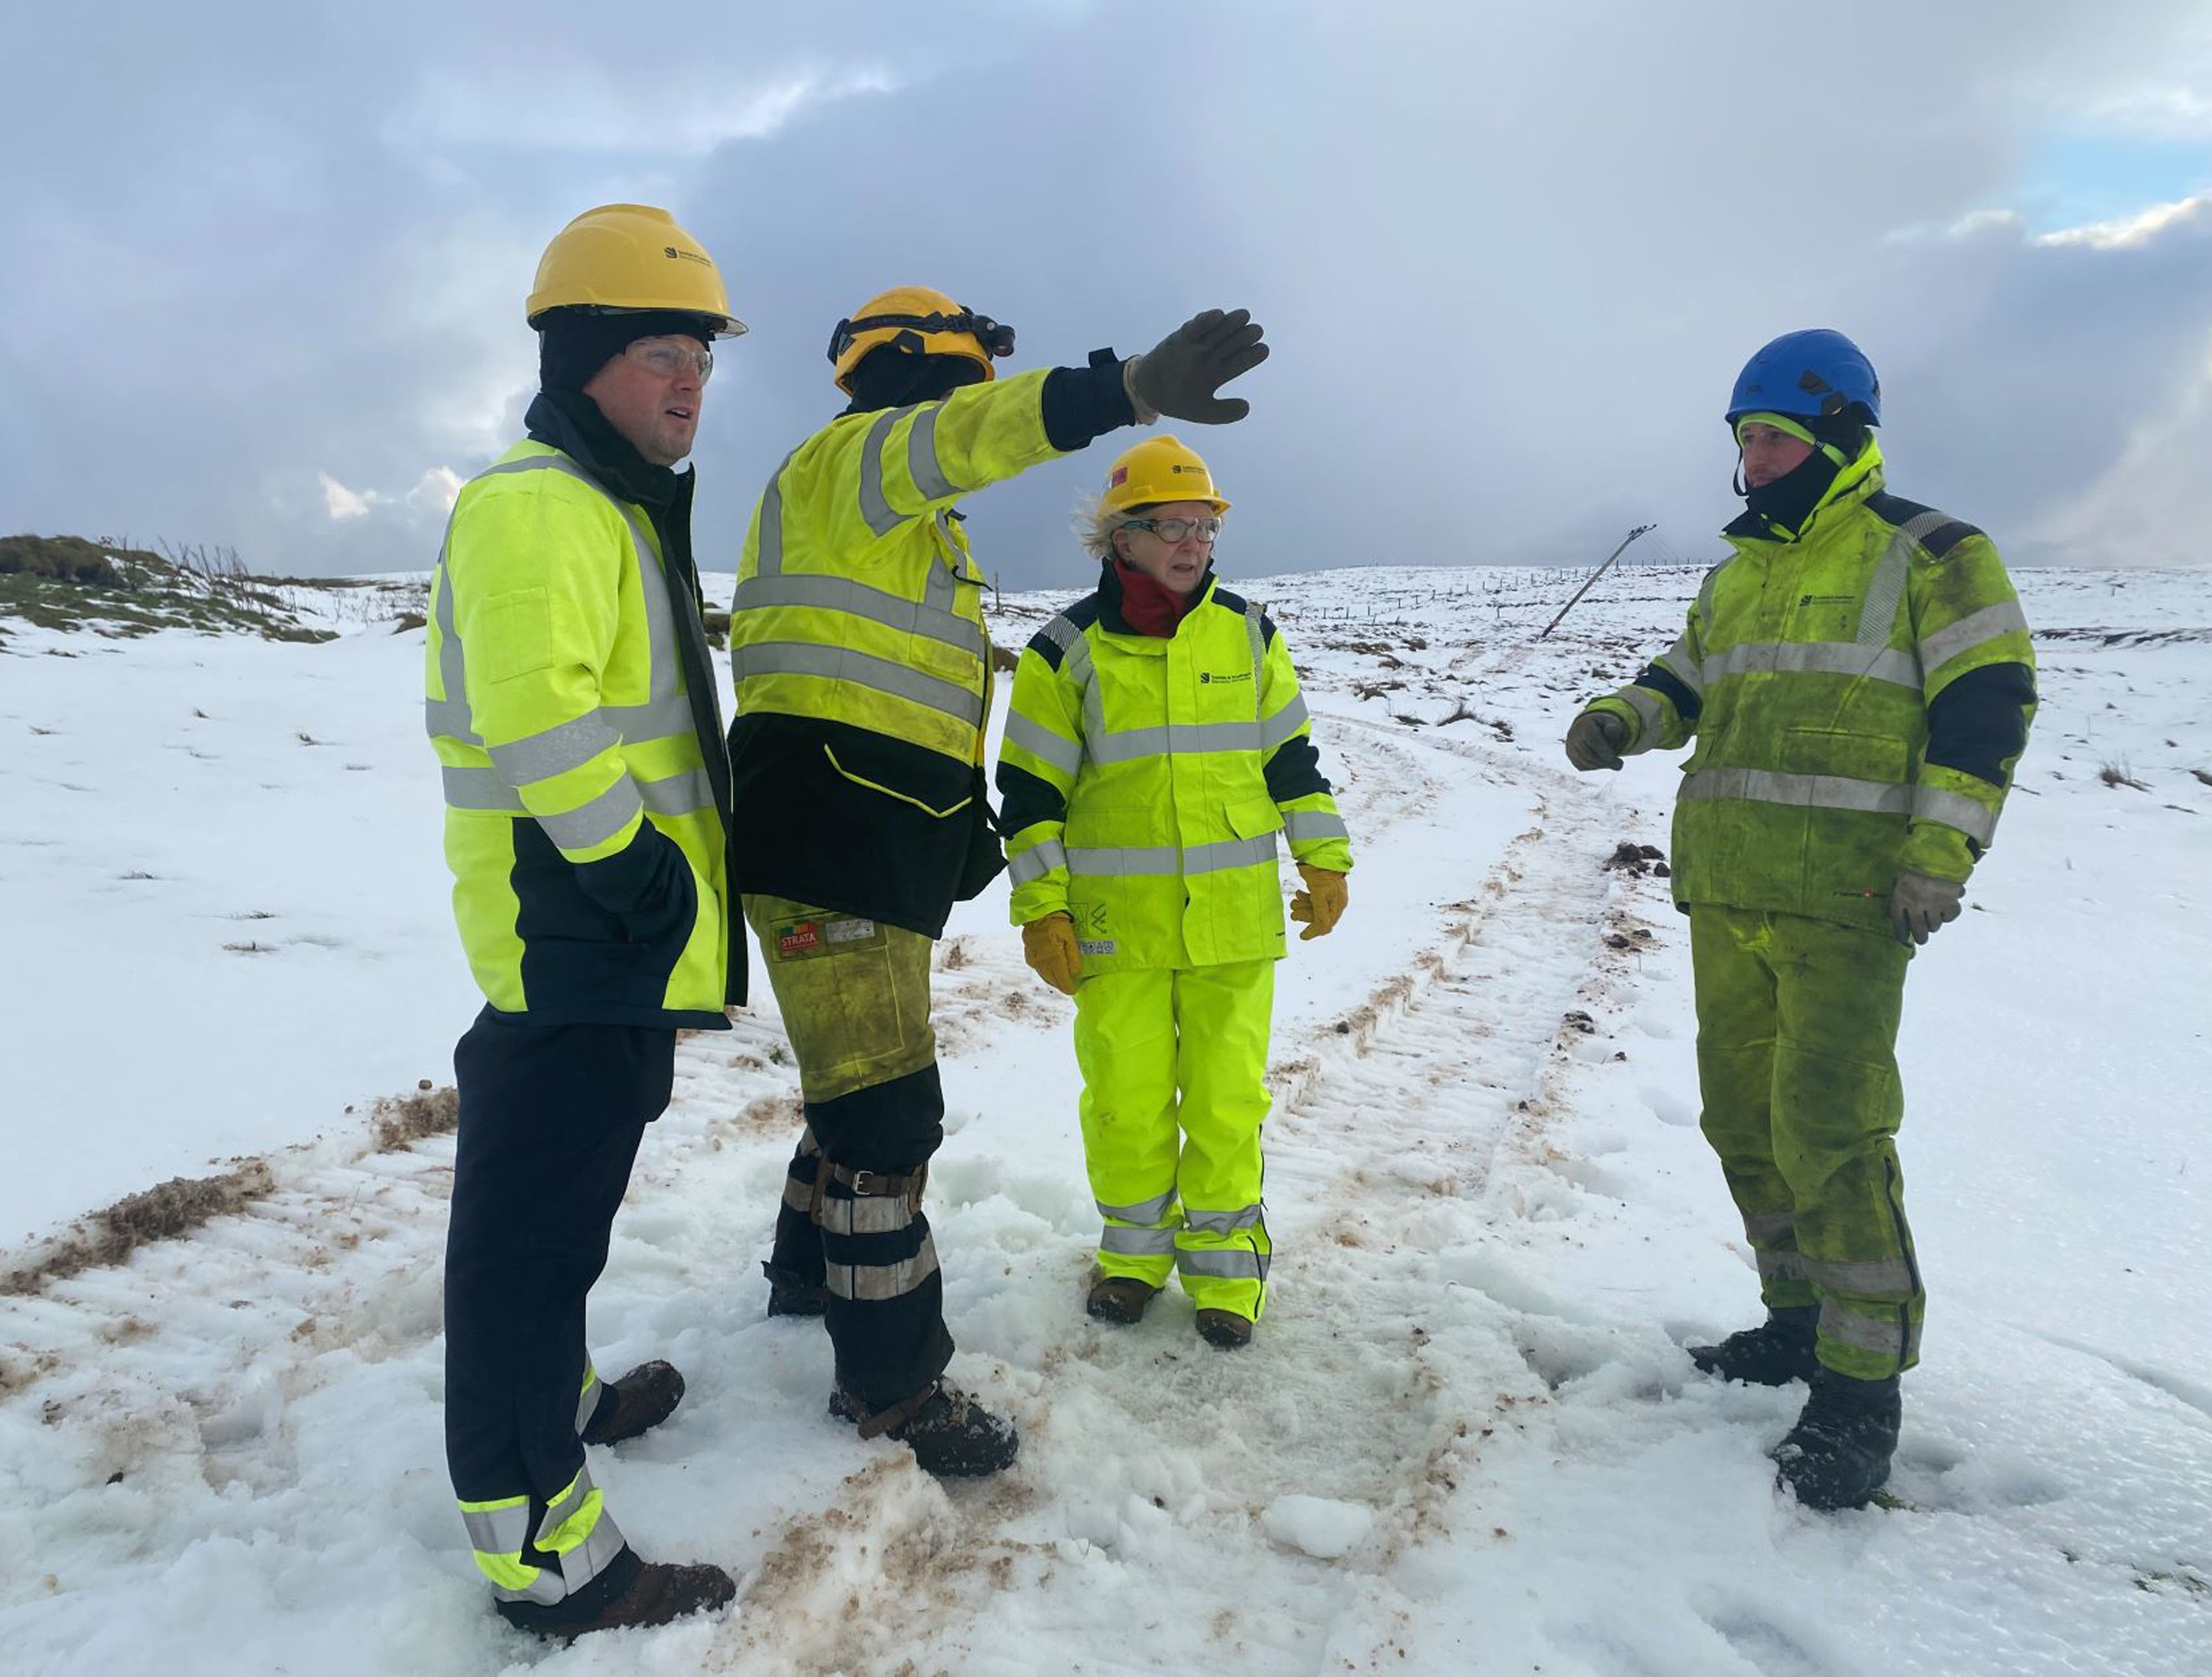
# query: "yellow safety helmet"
{"points": [[919, 318], [1158, 469], [630, 255]]}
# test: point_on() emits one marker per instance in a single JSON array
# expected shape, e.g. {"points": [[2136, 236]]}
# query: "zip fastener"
{"points": [[1911, 1262]]}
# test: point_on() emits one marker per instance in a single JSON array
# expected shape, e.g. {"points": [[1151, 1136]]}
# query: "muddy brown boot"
{"points": [[627, 1594], [640, 1400], [951, 1434], [1224, 1330], [1119, 1299]]}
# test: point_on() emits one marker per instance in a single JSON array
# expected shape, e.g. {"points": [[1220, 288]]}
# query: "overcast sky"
{"points": [[262, 268]]}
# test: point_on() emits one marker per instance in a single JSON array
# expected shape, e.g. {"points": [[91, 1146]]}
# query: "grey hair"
{"points": [[1095, 523]]}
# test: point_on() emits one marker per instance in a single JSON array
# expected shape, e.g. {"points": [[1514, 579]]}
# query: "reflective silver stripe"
{"points": [[589, 1400], [1883, 1276], [590, 1557], [921, 462], [799, 1195], [1681, 661], [1259, 639], [1034, 863], [1124, 1242], [1779, 1265], [597, 822], [1179, 738], [881, 1281], [874, 1215], [1062, 633], [540, 756], [1076, 668], [479, 789], [1227, 1263], [1878, 616], [1866, 1334], [837, 593], [1041, 742], [1769, 1225], [807, 1143], [1300, 825], [1705, 593], [874, 507], [1167, 858], [565, 1506], [767, 543], [1835, 658], [796, 657], [1146, 1212], [681, 794], [1223, 1222], [1284, 726], [668, 718], [1645, 703], [449, 716], [1931, 803], [498, 1531], [1823, 791], [1970, 631]]}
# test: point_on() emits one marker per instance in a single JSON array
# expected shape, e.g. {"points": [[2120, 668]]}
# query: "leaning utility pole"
{"points": [[1640, 530]]}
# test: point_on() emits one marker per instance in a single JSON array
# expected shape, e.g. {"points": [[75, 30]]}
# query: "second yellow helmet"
{"points": [[921, 318], [1156, 469]]}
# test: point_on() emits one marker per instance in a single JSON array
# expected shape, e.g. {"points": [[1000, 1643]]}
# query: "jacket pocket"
{"points": [[1253, 817], [1859, 756], [935, 801]]}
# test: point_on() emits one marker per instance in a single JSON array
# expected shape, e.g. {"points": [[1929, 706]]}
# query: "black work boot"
{"points": [[951, 1434], [1121, 1298], [1224, 1330], [1838, 1455], [640, 1400], [1774, 1353], [790, 1294], [629, 1593]]}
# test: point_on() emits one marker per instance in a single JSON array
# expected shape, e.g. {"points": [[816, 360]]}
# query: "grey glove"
{"points": [[1595, 739], [1919, 905], [1178, 375]]}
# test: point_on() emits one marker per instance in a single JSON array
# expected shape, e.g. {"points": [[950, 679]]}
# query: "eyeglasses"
{"points": [[669, 357], [1172, 531]]}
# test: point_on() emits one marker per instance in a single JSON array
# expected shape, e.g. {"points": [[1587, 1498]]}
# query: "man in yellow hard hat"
{"points": [[572, 706], [863, 684]]}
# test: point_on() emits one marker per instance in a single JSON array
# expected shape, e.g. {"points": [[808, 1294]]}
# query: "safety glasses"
{"points": [[1172, 531], [669, 357]]}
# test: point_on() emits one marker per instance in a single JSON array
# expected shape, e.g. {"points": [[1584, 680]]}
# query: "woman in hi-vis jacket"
{"points": [[1156, 752]]}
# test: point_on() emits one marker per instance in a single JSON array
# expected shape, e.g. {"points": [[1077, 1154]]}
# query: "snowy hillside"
{"points": [[1466, 1438]]}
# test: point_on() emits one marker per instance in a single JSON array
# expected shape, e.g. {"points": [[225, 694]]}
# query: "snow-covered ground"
{"points": [[1466, 1438]]}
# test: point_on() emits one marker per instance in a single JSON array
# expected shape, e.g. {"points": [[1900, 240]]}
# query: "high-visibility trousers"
{"points": [[1174, 1063], [854, 996], [551, 1121], [1797, 1062]]}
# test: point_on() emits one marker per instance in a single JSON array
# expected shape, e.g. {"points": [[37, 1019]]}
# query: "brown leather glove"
{"points": [[1049, 945], [1920, 905], [1321, 904]]}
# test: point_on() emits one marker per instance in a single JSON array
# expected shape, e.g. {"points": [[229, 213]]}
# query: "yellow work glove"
{"points": [[1321, 904], [1049, 945]]}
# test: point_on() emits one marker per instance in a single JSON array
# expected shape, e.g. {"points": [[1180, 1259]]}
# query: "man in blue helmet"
{"points": [[1858, 683]]}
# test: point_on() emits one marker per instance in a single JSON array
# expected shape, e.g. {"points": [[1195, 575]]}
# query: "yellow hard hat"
{"points": [[630, 255], [919, 318], [1158, 469]]}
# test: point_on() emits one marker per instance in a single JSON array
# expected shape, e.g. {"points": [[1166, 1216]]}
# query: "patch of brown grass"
{"points": [[163, 1213], [401, 1120]]}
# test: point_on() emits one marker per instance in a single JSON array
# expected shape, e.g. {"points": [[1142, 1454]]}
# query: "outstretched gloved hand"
{"points": [[1321, 904], [1918, 906], [1049, 945], [1595, 739], [1179, 376]]}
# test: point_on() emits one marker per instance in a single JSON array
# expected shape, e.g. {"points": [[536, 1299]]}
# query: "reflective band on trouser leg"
{"points": [[798, 1250], [1836, 1105], [1125, 1045], [1222, 1015], [1730, 956], [575, 1534], [588, 1401]]}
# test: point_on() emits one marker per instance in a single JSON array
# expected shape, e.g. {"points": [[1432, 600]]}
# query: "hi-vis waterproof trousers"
{"points": [[1169, 1049], [550, 1119], [854, 996], [1796, 1056]]}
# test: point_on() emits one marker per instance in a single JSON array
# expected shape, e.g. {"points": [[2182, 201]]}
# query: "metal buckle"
{"points": [[860, 1184]]}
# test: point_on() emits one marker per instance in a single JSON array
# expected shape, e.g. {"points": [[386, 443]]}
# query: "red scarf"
{"points": [[1151, 607]]}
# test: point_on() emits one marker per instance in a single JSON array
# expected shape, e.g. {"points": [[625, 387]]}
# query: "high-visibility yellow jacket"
{"points": [[862, 664], [1858, 693], [1146, 780], [586, 801]]}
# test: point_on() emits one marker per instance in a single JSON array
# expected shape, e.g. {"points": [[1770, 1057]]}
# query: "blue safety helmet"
{"points": [[1816, 375]]}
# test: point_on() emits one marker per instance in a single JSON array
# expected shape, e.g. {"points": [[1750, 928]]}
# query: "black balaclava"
{"points": [[888, 377], [574, 344]]}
